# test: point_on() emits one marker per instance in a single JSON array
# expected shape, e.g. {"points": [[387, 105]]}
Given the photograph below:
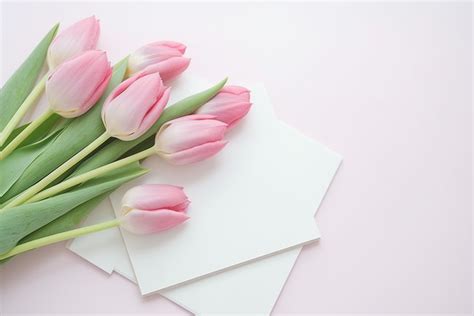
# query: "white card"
{"points": [[216, 293], [250, 289], [243, 205], [103, 248], [257, 284]]}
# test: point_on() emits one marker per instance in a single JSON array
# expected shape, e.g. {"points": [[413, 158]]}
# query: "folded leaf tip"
{"points": [[54, 30]]}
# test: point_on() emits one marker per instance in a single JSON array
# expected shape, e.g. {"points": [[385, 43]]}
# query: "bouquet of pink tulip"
{"points": [[99, 123]]}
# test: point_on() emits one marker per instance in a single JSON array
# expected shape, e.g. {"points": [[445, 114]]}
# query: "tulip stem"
{"points": [[37, 243], [24, 134], [24, 107], [43, 183], [66, 184]]}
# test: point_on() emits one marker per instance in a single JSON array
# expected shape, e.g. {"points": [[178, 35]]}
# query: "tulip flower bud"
{"points": [[190, 139], [230, 105], [76, 39], [151, 208], [135, 105], [76, 85], [166, 57]]}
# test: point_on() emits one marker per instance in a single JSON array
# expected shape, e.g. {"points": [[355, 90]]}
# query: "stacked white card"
{"points": [[252, 209]]}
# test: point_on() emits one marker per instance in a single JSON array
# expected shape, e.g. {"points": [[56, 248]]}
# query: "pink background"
{"points": [[386, 85]]}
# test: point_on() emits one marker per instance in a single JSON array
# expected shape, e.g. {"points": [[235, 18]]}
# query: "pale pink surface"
{"points": [[73, 40], [77, 84], [387, 86]]}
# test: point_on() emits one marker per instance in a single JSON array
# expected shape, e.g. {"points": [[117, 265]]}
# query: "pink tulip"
{"points": [[135, 105], [76, 85], [230, 105], [166, 57], [76, 39], [190, 139], [152, 208]]}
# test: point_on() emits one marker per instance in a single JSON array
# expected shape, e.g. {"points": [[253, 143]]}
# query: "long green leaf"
{"points": [[64, 223], [79, 133], [18, 222], [20, 84], [41, 131], [13, 166]]}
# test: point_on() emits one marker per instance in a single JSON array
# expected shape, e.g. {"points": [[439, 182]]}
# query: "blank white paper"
{"points": [[230, 290]]}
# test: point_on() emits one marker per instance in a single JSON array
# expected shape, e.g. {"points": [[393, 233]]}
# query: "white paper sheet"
{"points": [[230, 291], [243, 205], [252, 288]]}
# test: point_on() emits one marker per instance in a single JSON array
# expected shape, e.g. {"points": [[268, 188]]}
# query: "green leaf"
{"points": [[51, 124], [118, 148], [66, 222], [13, 166], [79, 133], [63, 223], [20, 84], [17, 222]]}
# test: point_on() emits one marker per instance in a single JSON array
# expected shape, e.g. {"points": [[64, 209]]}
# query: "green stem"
{"points": [[24, 107], [27, 194], [24, 134], [37, 243], [90, 175]]}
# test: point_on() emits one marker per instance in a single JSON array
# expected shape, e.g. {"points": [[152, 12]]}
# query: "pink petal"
{"points": [[181, 207], [151, 197], [152, 116], [124, 114], [229, 113], [182, 135], [229, 95], [127, 83], [236, 90], [121, 88], [148, 222], [100, 89], [230, 105], [157, 53], [78, 83], [195, 154], [170, 68], [191, 117], [152, 54], [74, 40], [176, 45]]}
